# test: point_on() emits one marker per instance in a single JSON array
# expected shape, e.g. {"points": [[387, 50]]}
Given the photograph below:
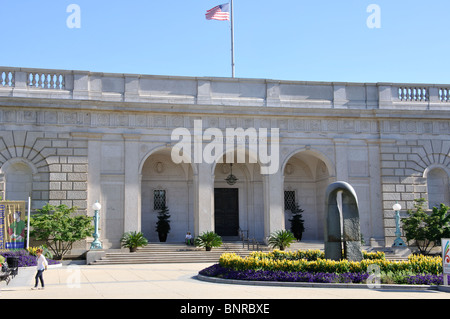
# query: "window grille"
{"points": [[159, 199], [289, 200]]}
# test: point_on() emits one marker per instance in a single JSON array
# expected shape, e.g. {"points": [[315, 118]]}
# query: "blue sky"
{"points": [[285, 39]]}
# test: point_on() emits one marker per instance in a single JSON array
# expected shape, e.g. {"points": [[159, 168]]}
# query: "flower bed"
{"points": [[25, 258], [309, 266], [285, 276]]}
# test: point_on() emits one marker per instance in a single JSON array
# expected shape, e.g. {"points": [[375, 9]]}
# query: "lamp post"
{"points": [[398, 242], [96, 244]]}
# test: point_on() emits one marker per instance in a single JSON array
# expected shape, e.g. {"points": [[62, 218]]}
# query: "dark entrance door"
{"points": [[226, 211]]}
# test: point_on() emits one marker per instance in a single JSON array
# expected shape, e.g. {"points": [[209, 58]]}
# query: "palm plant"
{"points": [[133, 240], [281, 239], [208, 240]]}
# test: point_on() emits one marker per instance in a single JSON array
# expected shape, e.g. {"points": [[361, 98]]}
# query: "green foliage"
{"points": [[281, 239], [163, 223], [308, 255], [266, 261], [425, 229], [297, 222], [133, 240], [208, 240], [45, 251], [60, 228]]}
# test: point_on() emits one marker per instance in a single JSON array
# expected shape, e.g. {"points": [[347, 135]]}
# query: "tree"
{"points": [[163, 224], [297, 222], [426, 230], [60, 228]]}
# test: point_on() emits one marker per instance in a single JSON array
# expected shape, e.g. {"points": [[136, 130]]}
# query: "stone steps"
{"points": [[171, 253], [180, 253]]}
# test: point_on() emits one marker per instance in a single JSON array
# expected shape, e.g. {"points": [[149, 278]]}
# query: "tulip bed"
{"points": [[310, 266]]}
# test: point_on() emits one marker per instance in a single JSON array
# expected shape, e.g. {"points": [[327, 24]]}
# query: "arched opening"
{"points": [[164, 182], [306, 177], [18, 175], [437, 187], [239, 206]]}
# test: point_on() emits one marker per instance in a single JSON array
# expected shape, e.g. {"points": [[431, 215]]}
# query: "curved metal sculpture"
{"points": [[351, 236]]}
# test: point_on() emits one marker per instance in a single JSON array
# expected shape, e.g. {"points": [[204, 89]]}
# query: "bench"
{"points": [[6, 274]]}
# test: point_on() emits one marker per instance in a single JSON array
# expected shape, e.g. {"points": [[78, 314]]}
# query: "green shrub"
{"points": [[133, 240], [208, 240], [281, 239]]}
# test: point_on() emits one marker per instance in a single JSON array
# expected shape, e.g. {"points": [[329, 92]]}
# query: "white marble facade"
{"points": [[75, 137]]}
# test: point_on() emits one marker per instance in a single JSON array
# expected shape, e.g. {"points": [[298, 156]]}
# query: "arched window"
{"points": [[438, 187]]}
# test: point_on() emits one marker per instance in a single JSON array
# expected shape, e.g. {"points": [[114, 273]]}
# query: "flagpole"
{"points": [[232, 39]]}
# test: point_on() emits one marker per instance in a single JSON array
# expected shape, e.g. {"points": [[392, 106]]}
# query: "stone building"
{"points": [[75, 137]]}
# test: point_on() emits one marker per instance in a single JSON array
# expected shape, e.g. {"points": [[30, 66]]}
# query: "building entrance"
{"points": [[226, 211]]}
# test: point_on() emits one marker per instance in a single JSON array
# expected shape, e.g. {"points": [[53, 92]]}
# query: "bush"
{"points": [[60, 227], [208, 240], [281, 239], [297, 222], [426, 230], [133, 240]]}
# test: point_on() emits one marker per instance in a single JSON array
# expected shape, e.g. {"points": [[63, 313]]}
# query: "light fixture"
{"points": [[96, 244], [398, 242], [231, 179], [97, 206]]}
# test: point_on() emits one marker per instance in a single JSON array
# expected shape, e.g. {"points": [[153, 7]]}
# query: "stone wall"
{"points": [[74, 137]]}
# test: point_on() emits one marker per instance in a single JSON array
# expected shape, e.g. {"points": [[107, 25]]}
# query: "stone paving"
{"points": [[172, 281]]}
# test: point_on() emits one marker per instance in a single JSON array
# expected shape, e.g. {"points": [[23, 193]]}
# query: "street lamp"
{"points": [[96, 244], [398, 242]]}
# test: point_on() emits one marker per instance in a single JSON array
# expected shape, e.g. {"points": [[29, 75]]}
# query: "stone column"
{"points": [[132, 202], [341, 160], [204, 199], [376, 209], [273, 187], [94, 168]]}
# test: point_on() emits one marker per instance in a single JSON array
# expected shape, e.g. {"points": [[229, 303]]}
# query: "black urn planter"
{"points": [[162, 237]]}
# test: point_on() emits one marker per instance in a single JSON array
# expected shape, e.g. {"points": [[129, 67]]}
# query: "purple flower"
{"points": [[282, 276], [24, 258], [425, 279]]}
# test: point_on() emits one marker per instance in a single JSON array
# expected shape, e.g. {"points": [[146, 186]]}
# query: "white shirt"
{"points": [[41, 262]]}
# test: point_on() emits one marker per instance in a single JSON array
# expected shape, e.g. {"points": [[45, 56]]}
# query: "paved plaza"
{"points": [[172, 281]]}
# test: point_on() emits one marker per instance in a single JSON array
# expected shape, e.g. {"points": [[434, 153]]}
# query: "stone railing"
{"points": [[444, 94], [45, 80], [115, 87], [417, 94], [6, 78]]}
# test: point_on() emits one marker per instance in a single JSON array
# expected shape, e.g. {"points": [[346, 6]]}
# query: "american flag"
{"points": [[220, 12]]}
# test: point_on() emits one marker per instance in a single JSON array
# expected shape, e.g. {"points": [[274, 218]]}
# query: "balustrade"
{"points": [[6, 79], [444, 94], [46, 80], [143, 88], [417, 94]]}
